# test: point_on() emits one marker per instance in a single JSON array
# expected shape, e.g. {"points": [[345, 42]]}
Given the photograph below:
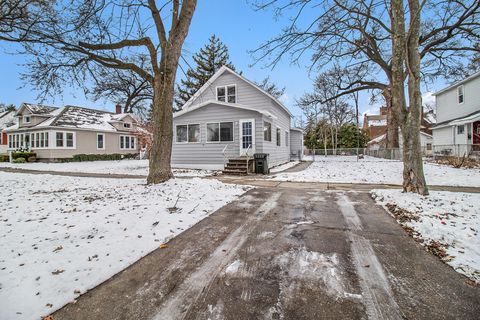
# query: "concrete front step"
{"points": [[235, 172]]}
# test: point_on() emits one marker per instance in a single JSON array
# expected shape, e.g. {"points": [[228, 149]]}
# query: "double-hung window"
{"points": [[62, 139], [227, 93], [278, 137], [220, 132], [461, 129], [267, 131], [127, 125], [26, 119], [460, 94], [59, 139], [100, 141], [188, 133]]}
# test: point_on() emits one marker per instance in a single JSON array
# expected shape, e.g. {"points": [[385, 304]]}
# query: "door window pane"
{"points": [[246, 135]]}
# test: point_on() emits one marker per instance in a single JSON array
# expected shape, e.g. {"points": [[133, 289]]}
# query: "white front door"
{"points": [[247, 136]]}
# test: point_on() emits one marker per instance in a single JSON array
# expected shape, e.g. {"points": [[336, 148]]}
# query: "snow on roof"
{"points": [[38, 109], [377, 139], [382, 122], [430, 117], [7, 119], [82, 118]]}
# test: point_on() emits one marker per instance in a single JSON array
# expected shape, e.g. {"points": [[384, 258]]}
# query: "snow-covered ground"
{"points": [[127, 167], [450, 219], [284, 166], [346, 169], [61, 236]]}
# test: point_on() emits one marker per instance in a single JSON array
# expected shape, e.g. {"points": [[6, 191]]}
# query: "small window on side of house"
{"points": [[286, 138], [69, 139], [232, 94], [460, 94], [278, 137], [26, 119], [267, 131], [429, 146], [127, 125], [460, 129], [100, 141]]}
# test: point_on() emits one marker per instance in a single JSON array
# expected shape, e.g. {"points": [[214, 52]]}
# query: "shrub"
{"points": [[24, 155], [19, 160], [99, 157], [32, 159], [4, 158]]}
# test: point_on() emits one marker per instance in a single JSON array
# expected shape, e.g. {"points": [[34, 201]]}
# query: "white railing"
{"points": [[225, 158], [248, 157]]}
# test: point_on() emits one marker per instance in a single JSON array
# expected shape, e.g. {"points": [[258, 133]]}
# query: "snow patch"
{"points": [[233, 267]]}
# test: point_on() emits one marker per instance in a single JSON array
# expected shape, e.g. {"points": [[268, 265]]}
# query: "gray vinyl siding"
{"points": [[296, 144], [204, 153], [210, 153]]}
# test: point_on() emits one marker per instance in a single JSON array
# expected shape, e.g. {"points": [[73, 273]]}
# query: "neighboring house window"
{"points": [[220, 132], [278, 137], [460, 94], [27, 140], [460, 129], [59, 139], [26, 119], [42, 140], [286, 138], [267, 131], [227, 93], [37, 140], [429, 146], [100, 141], [127, 125], [69, 136], [188, 133], [127, 142]]}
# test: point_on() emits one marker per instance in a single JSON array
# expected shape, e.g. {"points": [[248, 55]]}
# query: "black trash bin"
{"points": [[261, 163]]}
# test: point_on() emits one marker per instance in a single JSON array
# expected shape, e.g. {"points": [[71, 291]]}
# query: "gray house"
{"points": [[227, 121]]}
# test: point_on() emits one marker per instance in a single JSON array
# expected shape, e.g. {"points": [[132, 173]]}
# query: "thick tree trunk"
{"points": [[392, 122], [161, 153], [413, 176]]}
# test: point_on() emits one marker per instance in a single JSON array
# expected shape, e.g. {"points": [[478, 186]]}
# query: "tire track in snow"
{"points": [[178, 304], [377, 295]]}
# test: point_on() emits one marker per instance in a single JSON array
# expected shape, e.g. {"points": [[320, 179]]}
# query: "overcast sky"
{"points": [[238, 26]]}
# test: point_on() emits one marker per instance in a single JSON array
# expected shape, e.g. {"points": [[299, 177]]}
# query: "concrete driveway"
{"points": [[286, 253]]}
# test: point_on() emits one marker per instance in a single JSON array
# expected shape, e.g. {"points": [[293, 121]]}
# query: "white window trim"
{"points": [[463, 94], [263, 129], [206, 131], [287, 138], [54, 146], [226, 92], [459, 134], [135, 140], [188, 124], [29, 119], [101, 134], [129, 125]]}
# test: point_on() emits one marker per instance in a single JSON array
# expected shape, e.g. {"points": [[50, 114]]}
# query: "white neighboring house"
{"points": [[426, 141], [7, 119], [457, 131]]}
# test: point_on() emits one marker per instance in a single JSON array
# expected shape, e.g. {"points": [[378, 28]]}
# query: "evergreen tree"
{"points": [[211, 57]]}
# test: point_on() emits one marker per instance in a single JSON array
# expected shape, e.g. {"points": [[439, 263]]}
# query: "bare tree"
{"points": [[271, 87], [75, 36], [357, 35]]}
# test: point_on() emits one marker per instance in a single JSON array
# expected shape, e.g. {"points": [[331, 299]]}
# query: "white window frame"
{"points": [[264, 131], [188, 124], [103, 141], [462, 89], [64, 140], [225, 87], [219, 122], [127, 125], [287, 137], [129, 137], [27, 117], [463, 130]]}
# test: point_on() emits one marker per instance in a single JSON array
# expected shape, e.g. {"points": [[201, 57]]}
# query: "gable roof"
{"points": [[37, 109], [456, 84], [7, 119], [221, 71], [75, 117], [233, 105]]}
